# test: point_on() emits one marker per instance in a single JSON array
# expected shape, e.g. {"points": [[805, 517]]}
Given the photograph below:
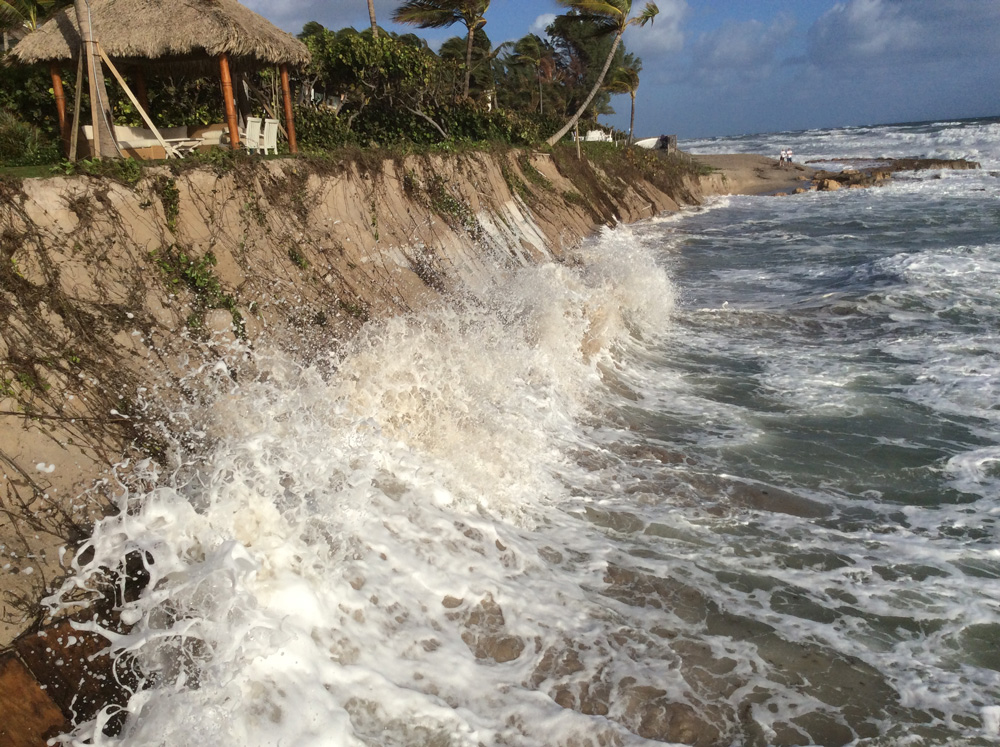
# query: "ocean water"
{"points": [[732, 479]]}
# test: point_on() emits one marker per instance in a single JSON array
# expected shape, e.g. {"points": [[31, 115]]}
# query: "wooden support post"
{"points": [[286, 95], [57, 89], [100, 108], [230, 103]]}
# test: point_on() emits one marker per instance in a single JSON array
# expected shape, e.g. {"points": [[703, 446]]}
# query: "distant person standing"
{"points": [[783, 156], [788, 156]]}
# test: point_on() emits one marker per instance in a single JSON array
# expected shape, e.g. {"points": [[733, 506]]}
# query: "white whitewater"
{"points": [[730, 479]]}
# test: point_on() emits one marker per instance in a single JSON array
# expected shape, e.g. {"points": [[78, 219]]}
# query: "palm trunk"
{"points": [[631, 121], [371, 15], [468, 62], [593, 92], [100, 106]]}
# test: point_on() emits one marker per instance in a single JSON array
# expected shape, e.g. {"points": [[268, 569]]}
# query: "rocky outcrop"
{"points": [[877, 172]]}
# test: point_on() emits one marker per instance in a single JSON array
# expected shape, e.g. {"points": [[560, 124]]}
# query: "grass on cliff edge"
{"points": [[666, 171]]}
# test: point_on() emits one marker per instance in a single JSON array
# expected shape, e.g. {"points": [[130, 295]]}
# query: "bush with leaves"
{"points": [[173, 102], [23, 144], [321, 129]]}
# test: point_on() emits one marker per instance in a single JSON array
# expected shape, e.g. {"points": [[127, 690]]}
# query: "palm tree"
{"points": [[371, 15], [626, 80], [532, 50], [439, 14], [610, 17], [22, 14]]}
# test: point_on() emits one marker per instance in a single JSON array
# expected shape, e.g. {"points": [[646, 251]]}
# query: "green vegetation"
{"points": [[166, 188], [123, 170], [370, 88], [24, 144], [298, 258], [197, 275], [354, 310], [605, 18]]}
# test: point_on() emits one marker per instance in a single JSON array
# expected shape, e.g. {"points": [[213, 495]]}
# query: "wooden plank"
{"points": [[29, 715]]}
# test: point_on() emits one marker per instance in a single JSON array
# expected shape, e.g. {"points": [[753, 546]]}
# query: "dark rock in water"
{"points": [[828, 181], [920, 164], [874, 172], [650, 714], [485, 632]]}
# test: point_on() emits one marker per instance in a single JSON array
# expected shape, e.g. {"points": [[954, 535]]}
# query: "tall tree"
{"points": [[439, 14], [626, 80], [609, 17], [371, 16], [531, 50], [483, 70]]}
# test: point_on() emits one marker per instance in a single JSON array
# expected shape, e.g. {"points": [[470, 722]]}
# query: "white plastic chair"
{"points": [[251, 138], [270, 136]]}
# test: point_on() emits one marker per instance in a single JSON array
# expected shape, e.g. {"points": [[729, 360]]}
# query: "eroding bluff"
{"points": [[111, 292]]}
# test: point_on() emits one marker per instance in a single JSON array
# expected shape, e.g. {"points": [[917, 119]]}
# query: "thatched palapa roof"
{"points": [[166, 32]]}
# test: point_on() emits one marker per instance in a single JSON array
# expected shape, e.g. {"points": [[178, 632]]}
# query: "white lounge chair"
{"points": [[270, 136], [251, 138]]}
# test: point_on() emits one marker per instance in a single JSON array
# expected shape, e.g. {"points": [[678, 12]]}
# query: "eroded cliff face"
{"points": [[110, 293]]}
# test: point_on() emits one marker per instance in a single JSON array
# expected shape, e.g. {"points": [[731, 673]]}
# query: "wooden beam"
{"points": [[95, 101], [29, 715], [75, 134], [57, 89], [229, 101], [286, 95], [167, 149]]}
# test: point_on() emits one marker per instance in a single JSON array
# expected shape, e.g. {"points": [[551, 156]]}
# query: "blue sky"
{"points": [[720, 67]]}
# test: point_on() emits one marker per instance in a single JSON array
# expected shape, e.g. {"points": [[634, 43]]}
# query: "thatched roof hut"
{"points": [[192, 36], [188, 33]]}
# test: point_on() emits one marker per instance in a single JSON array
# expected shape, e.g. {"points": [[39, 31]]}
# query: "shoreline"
{"points": [[153, 339], [59, 477]]}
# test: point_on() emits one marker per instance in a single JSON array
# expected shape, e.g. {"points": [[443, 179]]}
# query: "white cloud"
{"points": [[541, 23], [881, 32], [663, 36], [738, 52]]}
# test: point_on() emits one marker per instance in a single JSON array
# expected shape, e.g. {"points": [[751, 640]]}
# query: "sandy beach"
{"points": [[757, 175]]}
